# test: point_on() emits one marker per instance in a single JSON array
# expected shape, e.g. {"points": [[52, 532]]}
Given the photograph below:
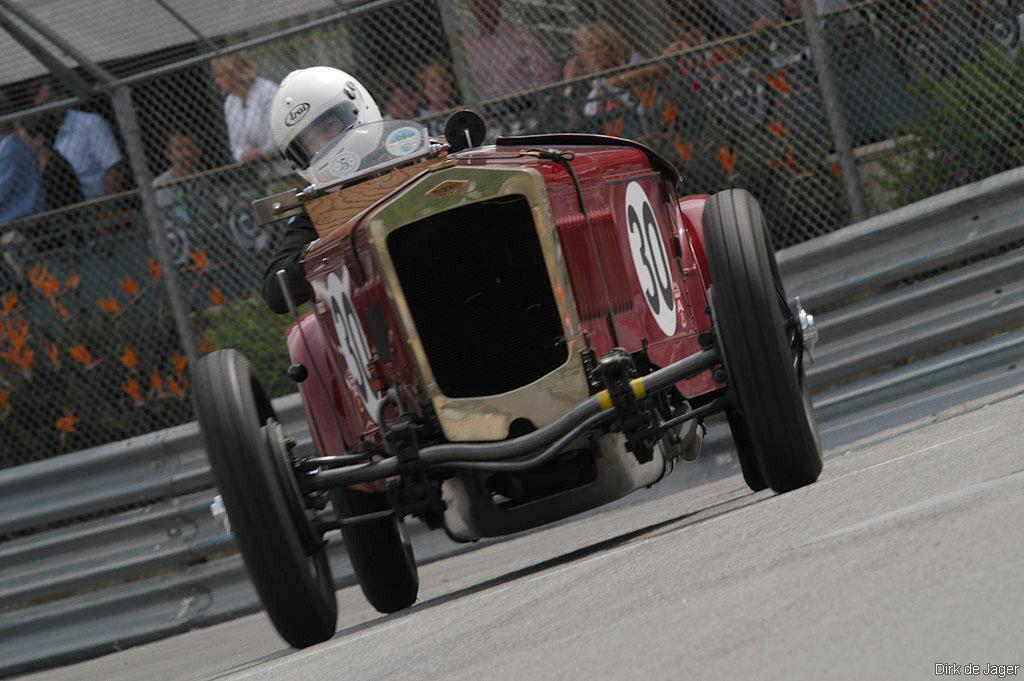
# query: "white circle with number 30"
{"points": [[650, 258], [352, 339]]}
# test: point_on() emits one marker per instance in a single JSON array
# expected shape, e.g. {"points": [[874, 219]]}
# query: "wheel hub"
{"points": [[805, 325]]}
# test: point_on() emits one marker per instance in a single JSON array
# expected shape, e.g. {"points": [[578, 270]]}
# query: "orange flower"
{"points": [[128, 285], [8, 301], [43, 280], [217, 297], [669, 114], [53, 353], [73, 281], [207, 347], [67, 422], [727, 159], [129, 358], [614, 130], [80, 353], [646, 95], [790, 162], [155, 379], [109, 304], [685, 149], [22, 360], [17, 332], [156, 270], [5, 399], [178, 361], [131, 388], [777, 129], [63, 311], [177, 389], [202, 261], [779, 82], [835, 168]]}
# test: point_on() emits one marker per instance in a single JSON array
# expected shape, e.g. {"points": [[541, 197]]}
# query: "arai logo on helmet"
{"points": [[296, 114]]}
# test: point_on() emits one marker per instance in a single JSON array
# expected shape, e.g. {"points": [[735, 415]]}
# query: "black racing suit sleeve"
{"points": [[299, 233]]}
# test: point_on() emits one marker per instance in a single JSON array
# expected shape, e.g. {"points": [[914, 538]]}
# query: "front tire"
{"points": [[761, 347], [249, 456], [379, 550]]}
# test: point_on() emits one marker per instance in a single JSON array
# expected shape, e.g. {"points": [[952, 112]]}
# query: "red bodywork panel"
{"points": [[620, 283], [328, 413]]}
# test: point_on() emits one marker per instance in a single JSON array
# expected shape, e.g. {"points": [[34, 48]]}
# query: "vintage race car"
{"points": [[501, 337]]}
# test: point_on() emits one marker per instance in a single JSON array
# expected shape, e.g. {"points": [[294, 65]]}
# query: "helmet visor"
{"points": [[327, 127]]}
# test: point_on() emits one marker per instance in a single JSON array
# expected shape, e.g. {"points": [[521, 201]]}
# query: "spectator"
{"points": [[401, 105], [21, 195], [436, 87], [60, 183], [86, 141], [697, 23], [182, 150], [742, 16], [246, 106], [760, 15], [503, 56], [794, 11], [599, 47], [21, 190]]}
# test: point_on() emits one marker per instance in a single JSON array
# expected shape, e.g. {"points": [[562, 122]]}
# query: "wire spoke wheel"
{"points": [[251, 463], [761, 343]]}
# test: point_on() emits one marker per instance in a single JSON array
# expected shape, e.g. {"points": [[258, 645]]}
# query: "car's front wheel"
{"points": [[249, 455], [762, 345]]}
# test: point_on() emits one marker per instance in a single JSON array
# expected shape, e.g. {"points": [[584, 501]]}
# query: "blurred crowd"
{"points": [[54, 160]]}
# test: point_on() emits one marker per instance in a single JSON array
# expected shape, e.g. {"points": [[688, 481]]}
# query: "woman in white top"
{"points": [[246, 106]]}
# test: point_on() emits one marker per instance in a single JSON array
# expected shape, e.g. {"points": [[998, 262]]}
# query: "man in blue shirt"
{"points": [[86, 141], [21, 195], [21, 191]]}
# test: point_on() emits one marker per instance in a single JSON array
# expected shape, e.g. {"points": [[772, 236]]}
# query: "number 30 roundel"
{"points": [[650, 258], [352, 339]]}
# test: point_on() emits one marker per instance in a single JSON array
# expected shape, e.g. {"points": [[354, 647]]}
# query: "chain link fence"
{"points": [[117, 269]]}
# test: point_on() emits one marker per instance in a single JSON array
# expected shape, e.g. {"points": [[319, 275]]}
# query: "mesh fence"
{"points": [[727, 90]]}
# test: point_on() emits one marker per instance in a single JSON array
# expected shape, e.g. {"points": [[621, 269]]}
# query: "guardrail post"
{"points": [[822, 55], [124, 111]]}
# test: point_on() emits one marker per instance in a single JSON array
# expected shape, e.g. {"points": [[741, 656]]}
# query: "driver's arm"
{"points": [[297, 236]]}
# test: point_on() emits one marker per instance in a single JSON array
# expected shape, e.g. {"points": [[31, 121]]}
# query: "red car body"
{"points": [[605, 173]]}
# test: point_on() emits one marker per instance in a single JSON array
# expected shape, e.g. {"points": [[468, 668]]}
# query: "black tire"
{"points": [[745, 451], [285, 556], [760, 345], [379, 550]]}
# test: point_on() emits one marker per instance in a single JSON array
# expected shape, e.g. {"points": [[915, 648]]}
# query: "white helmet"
{"points": [[312, 107]]}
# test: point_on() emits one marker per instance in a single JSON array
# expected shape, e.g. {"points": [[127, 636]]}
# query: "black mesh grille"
{"points": [[475, 280]]}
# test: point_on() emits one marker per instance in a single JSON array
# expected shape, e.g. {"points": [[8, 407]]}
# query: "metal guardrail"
{"points": [[154, 466], [917, 238], [944, 323]]}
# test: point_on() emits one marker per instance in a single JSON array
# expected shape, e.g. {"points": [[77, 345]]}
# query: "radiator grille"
{"points": [[477, 286]]}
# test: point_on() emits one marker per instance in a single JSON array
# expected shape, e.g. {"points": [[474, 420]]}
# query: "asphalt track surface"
{"points": [[908, 553]]}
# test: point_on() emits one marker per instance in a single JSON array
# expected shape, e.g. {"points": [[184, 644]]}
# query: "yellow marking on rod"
{"points": [[604, 398], [638, 388]]}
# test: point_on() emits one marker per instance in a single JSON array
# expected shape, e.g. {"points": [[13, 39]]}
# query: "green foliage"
{"points": [[974, 129], [249, 326]]}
